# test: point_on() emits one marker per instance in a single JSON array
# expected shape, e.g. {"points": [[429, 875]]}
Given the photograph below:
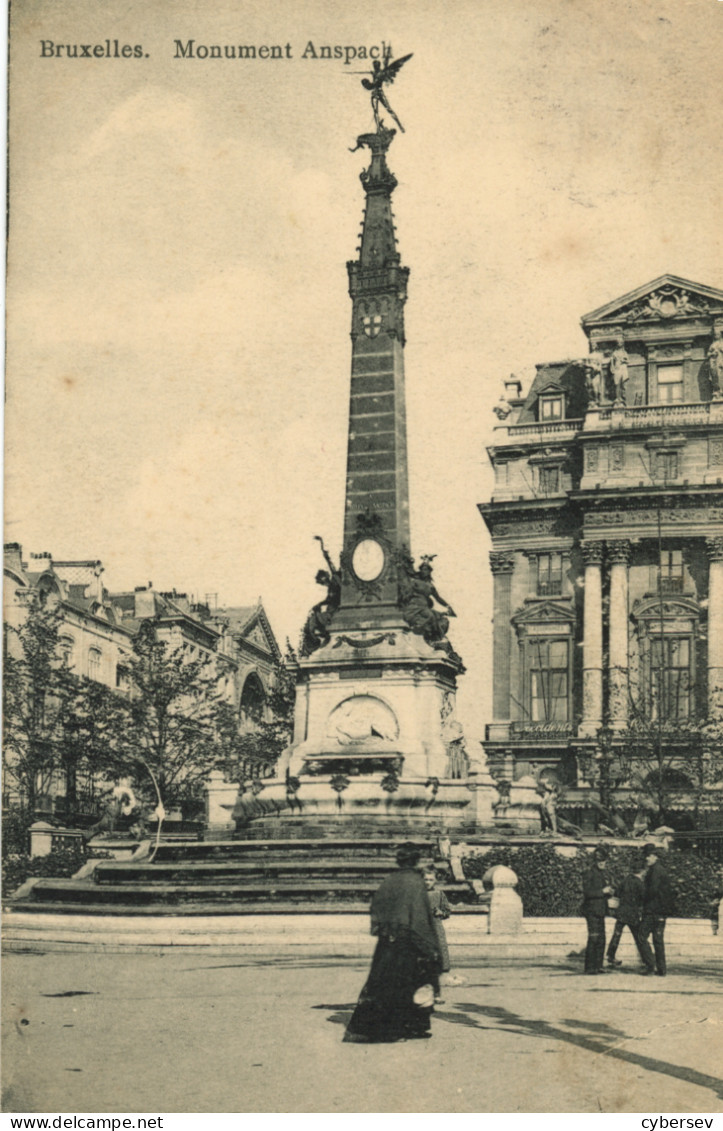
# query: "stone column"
{"points": [[619, 559], [592, 645], [502, 566], [714, 547]]}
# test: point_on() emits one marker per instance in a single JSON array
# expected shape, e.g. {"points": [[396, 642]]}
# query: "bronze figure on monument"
{"points": [[316, 630], [417, 595]]}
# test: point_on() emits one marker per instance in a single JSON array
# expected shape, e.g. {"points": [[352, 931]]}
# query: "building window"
{"points": [[65, 646], [670, 571], [94, 659], [670, 677], [549, 480], [670, 384], [122, 679], [253, 703], [549, 575], [549, 681], [552, 408], [665, 465]]}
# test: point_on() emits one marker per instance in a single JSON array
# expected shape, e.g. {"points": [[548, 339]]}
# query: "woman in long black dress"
{"points": [[397, 1000]]}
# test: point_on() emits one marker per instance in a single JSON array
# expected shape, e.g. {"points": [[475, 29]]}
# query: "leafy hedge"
{"points": [[15, 831], [60, 863], [550, 884]]}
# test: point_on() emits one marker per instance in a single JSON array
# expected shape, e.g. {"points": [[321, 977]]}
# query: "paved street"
{"points": [[189, 1031]]}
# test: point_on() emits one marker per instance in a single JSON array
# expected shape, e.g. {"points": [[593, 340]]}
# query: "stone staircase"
{"points": [[235, 877]]}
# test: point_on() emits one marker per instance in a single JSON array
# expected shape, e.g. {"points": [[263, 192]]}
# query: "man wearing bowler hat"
{"points": [[594, 904], [657, 906]]}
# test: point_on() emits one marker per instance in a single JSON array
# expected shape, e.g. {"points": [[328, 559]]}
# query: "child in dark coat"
{"points": [[440, 910]]}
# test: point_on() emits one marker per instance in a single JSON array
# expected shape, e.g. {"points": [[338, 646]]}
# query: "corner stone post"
{"points": [[41, 838], [505, 917]]}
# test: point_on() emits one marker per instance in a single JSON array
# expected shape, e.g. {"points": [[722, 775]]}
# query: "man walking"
{"points": [[657, 906], [594, 903], [628, 914]]}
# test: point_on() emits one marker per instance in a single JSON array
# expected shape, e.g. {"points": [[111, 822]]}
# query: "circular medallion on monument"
{"points": [[368, 559]]}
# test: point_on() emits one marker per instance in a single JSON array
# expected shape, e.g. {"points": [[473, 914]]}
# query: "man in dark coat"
{"points": [[594, 905], [657, 906], [628, 913]]}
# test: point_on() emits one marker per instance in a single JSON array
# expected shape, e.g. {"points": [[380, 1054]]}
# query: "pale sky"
{"points": [[178, 319]]}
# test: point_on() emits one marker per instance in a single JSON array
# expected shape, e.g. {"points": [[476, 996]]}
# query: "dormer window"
{"points": [[552, 407], [670, 384]]}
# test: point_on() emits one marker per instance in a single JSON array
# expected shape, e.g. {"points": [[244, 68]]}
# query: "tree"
{"points": [[173, 729], [36, 687], [253, 753], [91, 729]]}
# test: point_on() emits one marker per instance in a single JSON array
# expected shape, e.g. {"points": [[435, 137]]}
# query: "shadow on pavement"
{"points": [[598, 1037], [513, 1023]]}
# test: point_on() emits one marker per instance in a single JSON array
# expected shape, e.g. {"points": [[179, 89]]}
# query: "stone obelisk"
{"points": [[376, 734]]}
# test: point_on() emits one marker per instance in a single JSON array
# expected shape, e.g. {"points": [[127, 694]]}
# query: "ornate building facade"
{"points": [[98, 628], [607, 538]]}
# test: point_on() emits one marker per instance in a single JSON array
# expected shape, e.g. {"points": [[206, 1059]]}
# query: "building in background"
{"points": [[98, 628], [607, 548]]}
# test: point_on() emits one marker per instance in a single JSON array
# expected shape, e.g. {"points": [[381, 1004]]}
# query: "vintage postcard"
{"points": [[372, 357]]}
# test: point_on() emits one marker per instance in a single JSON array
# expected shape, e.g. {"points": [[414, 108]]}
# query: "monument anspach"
{"points": [[376, 735]]}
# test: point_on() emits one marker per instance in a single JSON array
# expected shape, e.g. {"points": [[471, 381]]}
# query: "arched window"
{"points": [[66, 645], [94, 661], [253, 701]]}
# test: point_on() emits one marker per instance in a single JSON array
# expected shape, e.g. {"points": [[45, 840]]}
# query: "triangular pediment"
{"points": [[544, 612], [666, 299], [257, 631]]}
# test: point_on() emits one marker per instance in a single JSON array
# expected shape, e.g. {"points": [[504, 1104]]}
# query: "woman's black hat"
{"points": [[408, 853]]}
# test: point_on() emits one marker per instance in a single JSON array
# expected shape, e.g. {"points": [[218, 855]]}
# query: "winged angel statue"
{"points": [[379, 76]]}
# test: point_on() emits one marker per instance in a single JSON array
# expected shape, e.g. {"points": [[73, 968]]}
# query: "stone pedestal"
{"points": [[382, 699], [220, 800], [519, 805], [376, 735], [41, 838]]}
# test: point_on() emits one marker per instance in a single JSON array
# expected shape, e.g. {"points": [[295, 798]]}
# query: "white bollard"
{"points": [[505, 917]]}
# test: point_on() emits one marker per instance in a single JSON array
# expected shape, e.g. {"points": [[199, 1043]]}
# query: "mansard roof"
{"points": [[663, 299], [567, 377]]}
